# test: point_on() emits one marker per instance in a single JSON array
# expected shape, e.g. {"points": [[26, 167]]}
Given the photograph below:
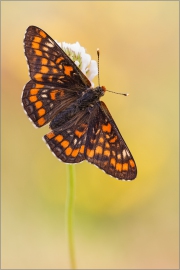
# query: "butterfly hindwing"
{"points": [[67, 142], [105, 146]]}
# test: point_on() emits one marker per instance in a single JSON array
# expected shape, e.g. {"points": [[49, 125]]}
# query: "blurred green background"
{"points": [[117, 225]]}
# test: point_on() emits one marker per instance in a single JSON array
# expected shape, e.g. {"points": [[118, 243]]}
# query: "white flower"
{"points": [[81, 59]]}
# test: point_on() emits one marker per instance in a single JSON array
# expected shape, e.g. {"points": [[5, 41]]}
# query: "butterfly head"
{"points": [[99, 91]]}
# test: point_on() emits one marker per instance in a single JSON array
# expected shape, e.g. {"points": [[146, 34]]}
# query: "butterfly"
{"points": [[82, 127]]}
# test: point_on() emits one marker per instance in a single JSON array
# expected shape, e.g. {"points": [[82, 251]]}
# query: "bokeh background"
{"points": [[117, 224]]}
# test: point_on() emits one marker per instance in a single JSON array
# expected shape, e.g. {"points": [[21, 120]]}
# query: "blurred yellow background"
{"points": [[117, 224]]}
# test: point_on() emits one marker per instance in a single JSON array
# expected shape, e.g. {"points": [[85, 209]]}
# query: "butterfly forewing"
{"points": [[48, 63]]}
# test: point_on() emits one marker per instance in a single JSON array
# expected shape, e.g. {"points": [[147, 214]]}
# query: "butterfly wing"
{"points": [[67, 142], [105, 146], [42, 102], [56, 80], [48, 63]]}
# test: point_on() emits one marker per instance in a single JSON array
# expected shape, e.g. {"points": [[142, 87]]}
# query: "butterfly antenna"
{"points": [[124, 94], [98, 66]]}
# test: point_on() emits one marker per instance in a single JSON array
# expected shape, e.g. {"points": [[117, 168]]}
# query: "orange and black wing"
{"points": [[56, 81], [105, 146], [42, 102], [68, 141], [49, 64]]}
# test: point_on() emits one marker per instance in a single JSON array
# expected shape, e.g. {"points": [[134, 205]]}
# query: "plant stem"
{"points": [[69, 212]]}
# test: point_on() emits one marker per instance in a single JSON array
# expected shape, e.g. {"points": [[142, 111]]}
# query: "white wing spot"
{"points": [[44, 96], [50, 43], [44, 90], [75, 141], [124, 153]]}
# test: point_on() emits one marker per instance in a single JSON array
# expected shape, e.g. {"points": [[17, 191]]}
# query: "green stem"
{"points": [[69, 212]]}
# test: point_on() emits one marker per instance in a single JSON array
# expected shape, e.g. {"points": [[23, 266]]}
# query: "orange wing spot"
{"points": [[50, 135], [37, 39], [65, 144], [38, 77], [44, 69], [68, 151], [51, 63], [38, 52], [35, 45], [59, 60], [33, 98], [132, 164], [39, 85], [41, 112], [54, 70], [53, 94], [82, 149], [90, 153], [99, 150], [125, 167], [41, 121], [44, 61], [101, 140], [93, 141], [59, 138], [42, 34], [67, 70], [75, 152], [107, 145], [38, 104], [113, 139], [107, 153], [119, 167], [50, 78], [34, 91], [119, 156], [79, 133], [107, 128], [61, 93], [113, 161]]}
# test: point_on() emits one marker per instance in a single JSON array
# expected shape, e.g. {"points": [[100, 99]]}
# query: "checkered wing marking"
{"points": [[42, 101], [68, 141], [49, 64], [105, 146]]}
